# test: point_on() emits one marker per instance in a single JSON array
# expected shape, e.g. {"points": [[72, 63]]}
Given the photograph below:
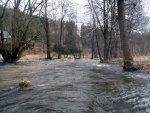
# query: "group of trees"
{"points": [[26, 20], [114, 26], [69, 43], [114, 22]]}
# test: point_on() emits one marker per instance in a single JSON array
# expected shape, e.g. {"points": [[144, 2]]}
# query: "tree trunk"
{"points": [[47, 33], [60, 40], [105, 32], [127, 57], [92, 47], [98, 48]]}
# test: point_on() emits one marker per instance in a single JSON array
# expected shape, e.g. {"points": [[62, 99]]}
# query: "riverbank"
{"points": [[142, 61]]}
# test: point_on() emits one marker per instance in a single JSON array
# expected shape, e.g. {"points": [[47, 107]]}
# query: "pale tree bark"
{"points": [[127, 56]]}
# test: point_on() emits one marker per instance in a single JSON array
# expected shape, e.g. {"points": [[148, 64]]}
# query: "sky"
{"points": [[81, 10], [145, 3], [82, 3], [146, 7]]}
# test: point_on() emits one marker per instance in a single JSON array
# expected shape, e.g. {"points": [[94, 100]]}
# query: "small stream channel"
{"points": [[73, 86]]}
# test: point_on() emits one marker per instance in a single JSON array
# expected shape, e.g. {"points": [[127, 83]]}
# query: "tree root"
{"points": [[132, 68]]}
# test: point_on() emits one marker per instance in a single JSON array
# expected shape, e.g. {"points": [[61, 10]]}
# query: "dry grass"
{"points": [[144, 59], [29, 57], [32, 57], [144, 62]]}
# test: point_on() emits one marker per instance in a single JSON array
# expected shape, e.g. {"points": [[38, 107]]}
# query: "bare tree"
{"points": [[95, 31], [20, 28]]}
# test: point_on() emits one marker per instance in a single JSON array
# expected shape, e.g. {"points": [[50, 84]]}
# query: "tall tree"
{"points": [[64, 5], [127, 56], [46, 27]]}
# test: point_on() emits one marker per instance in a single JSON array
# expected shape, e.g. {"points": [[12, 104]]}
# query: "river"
{"points": [[73, 86]]}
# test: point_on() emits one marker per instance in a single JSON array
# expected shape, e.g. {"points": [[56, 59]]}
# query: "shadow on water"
{"points": [[73, 86]]}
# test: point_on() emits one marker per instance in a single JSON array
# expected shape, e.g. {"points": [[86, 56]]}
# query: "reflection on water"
{"points": [[73, 86]]}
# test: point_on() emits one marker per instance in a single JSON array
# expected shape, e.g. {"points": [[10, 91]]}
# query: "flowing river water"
{"points": [[73, 86]]}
